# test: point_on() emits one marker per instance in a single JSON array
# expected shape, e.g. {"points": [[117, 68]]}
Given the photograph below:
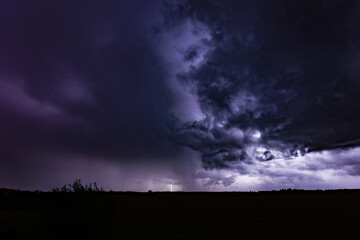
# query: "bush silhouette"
{"points": [[78, 187]]}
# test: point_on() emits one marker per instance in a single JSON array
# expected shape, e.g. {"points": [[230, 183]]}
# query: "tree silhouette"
{"points": [[78, 187]]}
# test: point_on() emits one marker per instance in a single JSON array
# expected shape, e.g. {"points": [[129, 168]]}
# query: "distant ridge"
{"points": [[8, 191]]}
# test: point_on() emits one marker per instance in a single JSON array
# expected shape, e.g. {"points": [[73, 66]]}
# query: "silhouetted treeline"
{"points": [[78, 187], [317, 191]]}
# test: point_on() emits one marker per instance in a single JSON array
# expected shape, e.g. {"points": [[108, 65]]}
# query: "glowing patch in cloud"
{"points": [[256, 135]]}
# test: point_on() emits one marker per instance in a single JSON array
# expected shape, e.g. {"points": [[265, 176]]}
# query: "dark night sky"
{"points": [[201, 95]]}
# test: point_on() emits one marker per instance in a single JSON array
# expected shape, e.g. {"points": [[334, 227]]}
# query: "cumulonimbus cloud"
{"points": [[273, 80]]}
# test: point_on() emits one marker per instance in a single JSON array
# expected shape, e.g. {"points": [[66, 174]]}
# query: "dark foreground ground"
{"points": [[289, 215]]}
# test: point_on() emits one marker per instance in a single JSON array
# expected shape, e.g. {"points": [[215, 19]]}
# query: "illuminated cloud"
{"points": [[200, 95]]}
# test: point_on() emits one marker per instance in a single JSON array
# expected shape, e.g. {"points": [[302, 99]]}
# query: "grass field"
{"points": [[177, 215]]}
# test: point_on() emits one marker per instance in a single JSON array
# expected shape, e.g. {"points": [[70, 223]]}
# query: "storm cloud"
{"points": [[196, 94], [276, 79], [81, 77]]}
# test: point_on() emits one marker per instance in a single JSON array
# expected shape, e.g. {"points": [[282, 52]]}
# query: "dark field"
{"points": [[291, 215]]}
